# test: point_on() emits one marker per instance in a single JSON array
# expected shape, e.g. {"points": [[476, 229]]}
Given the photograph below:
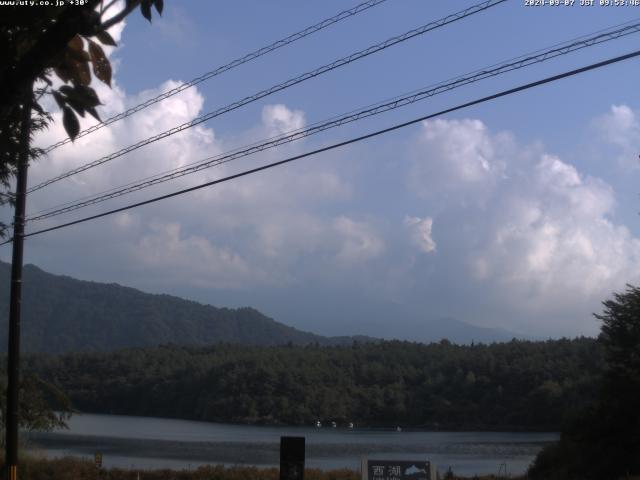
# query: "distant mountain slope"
{"points": [[376, 316], [62, 314], [461, 332]]}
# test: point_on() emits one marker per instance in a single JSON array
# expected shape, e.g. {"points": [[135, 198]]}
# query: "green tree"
{"points": [[603, 441], [37, 45], [619, 411], [40, 43], [43, 406]]}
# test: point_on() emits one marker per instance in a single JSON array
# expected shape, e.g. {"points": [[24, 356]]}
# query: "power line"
{"points": [[397, 102], [495, 96], [224, 68], [281, 86]]}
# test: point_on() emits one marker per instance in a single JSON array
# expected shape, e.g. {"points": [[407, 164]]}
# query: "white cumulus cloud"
{"points": [[620, 127], [279, 119], [420, 229], [536, 240], [223, 237], [359, 241]]}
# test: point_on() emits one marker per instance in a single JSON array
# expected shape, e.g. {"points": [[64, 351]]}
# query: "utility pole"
{"points": [[13, 359]]}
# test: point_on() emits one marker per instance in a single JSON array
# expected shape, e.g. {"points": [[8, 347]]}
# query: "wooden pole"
{"points": [[13, 358]]}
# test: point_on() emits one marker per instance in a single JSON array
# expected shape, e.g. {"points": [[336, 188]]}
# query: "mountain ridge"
{"points": [[63, 314]]}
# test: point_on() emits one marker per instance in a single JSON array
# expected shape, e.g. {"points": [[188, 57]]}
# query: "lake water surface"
{"points": [[146, 443]]}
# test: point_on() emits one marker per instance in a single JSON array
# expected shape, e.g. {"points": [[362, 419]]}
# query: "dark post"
{"points": [[291, 458], [13, 359]]}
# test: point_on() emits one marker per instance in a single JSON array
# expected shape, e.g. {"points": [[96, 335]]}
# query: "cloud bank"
{"points": [[480, 226], [526, 232]]}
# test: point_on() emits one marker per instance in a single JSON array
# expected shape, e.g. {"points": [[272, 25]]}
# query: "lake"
{"points": [[146, 443]]}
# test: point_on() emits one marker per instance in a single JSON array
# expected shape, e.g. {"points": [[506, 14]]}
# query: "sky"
{"points": [[520, 213]]}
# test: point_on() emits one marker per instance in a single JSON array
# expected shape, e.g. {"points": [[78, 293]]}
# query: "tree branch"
{"points": [[51, 43], [132, 5], [103, 9]]}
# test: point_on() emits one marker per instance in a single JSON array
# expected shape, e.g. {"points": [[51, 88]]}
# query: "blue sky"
{"points": [[519, 213]]}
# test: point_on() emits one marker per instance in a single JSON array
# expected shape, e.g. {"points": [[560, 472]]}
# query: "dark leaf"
{"points": [[63, 72], [46, 79], [78, 55], [106, 39], [88, 96], [70, 122], [81, 74], [101, 65], [76, 104], [81, 98], [23, 45], [94, 113], [145, 8], [76, 43], [159, 6], [38, 108], [58, 98], [89, 24]]}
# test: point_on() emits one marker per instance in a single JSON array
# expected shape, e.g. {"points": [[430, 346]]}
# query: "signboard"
{"points": [[397, 470], [98, 459], [291, 458]]}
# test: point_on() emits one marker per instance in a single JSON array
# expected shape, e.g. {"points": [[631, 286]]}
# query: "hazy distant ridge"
{"points": [[62, 314]]}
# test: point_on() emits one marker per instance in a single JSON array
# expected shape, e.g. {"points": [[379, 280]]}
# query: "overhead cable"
{"points": [[281, 86], [400, 101], [224, 68], [495, 96]]}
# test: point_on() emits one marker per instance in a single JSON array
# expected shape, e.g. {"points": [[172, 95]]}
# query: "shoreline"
{"points": [[440, 428], [468, 457], [146, 442]]}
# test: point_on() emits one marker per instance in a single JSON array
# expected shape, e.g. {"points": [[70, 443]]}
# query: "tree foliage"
{"points": [[603, 439], [506, 386], [43, 43], [43, 406]]}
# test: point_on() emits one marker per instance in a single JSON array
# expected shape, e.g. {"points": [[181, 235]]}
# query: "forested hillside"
{"points": [[62, 314], [514, 385]]}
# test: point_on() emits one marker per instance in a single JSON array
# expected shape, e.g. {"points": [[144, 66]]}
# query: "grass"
{"points": [[70, 468]]}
